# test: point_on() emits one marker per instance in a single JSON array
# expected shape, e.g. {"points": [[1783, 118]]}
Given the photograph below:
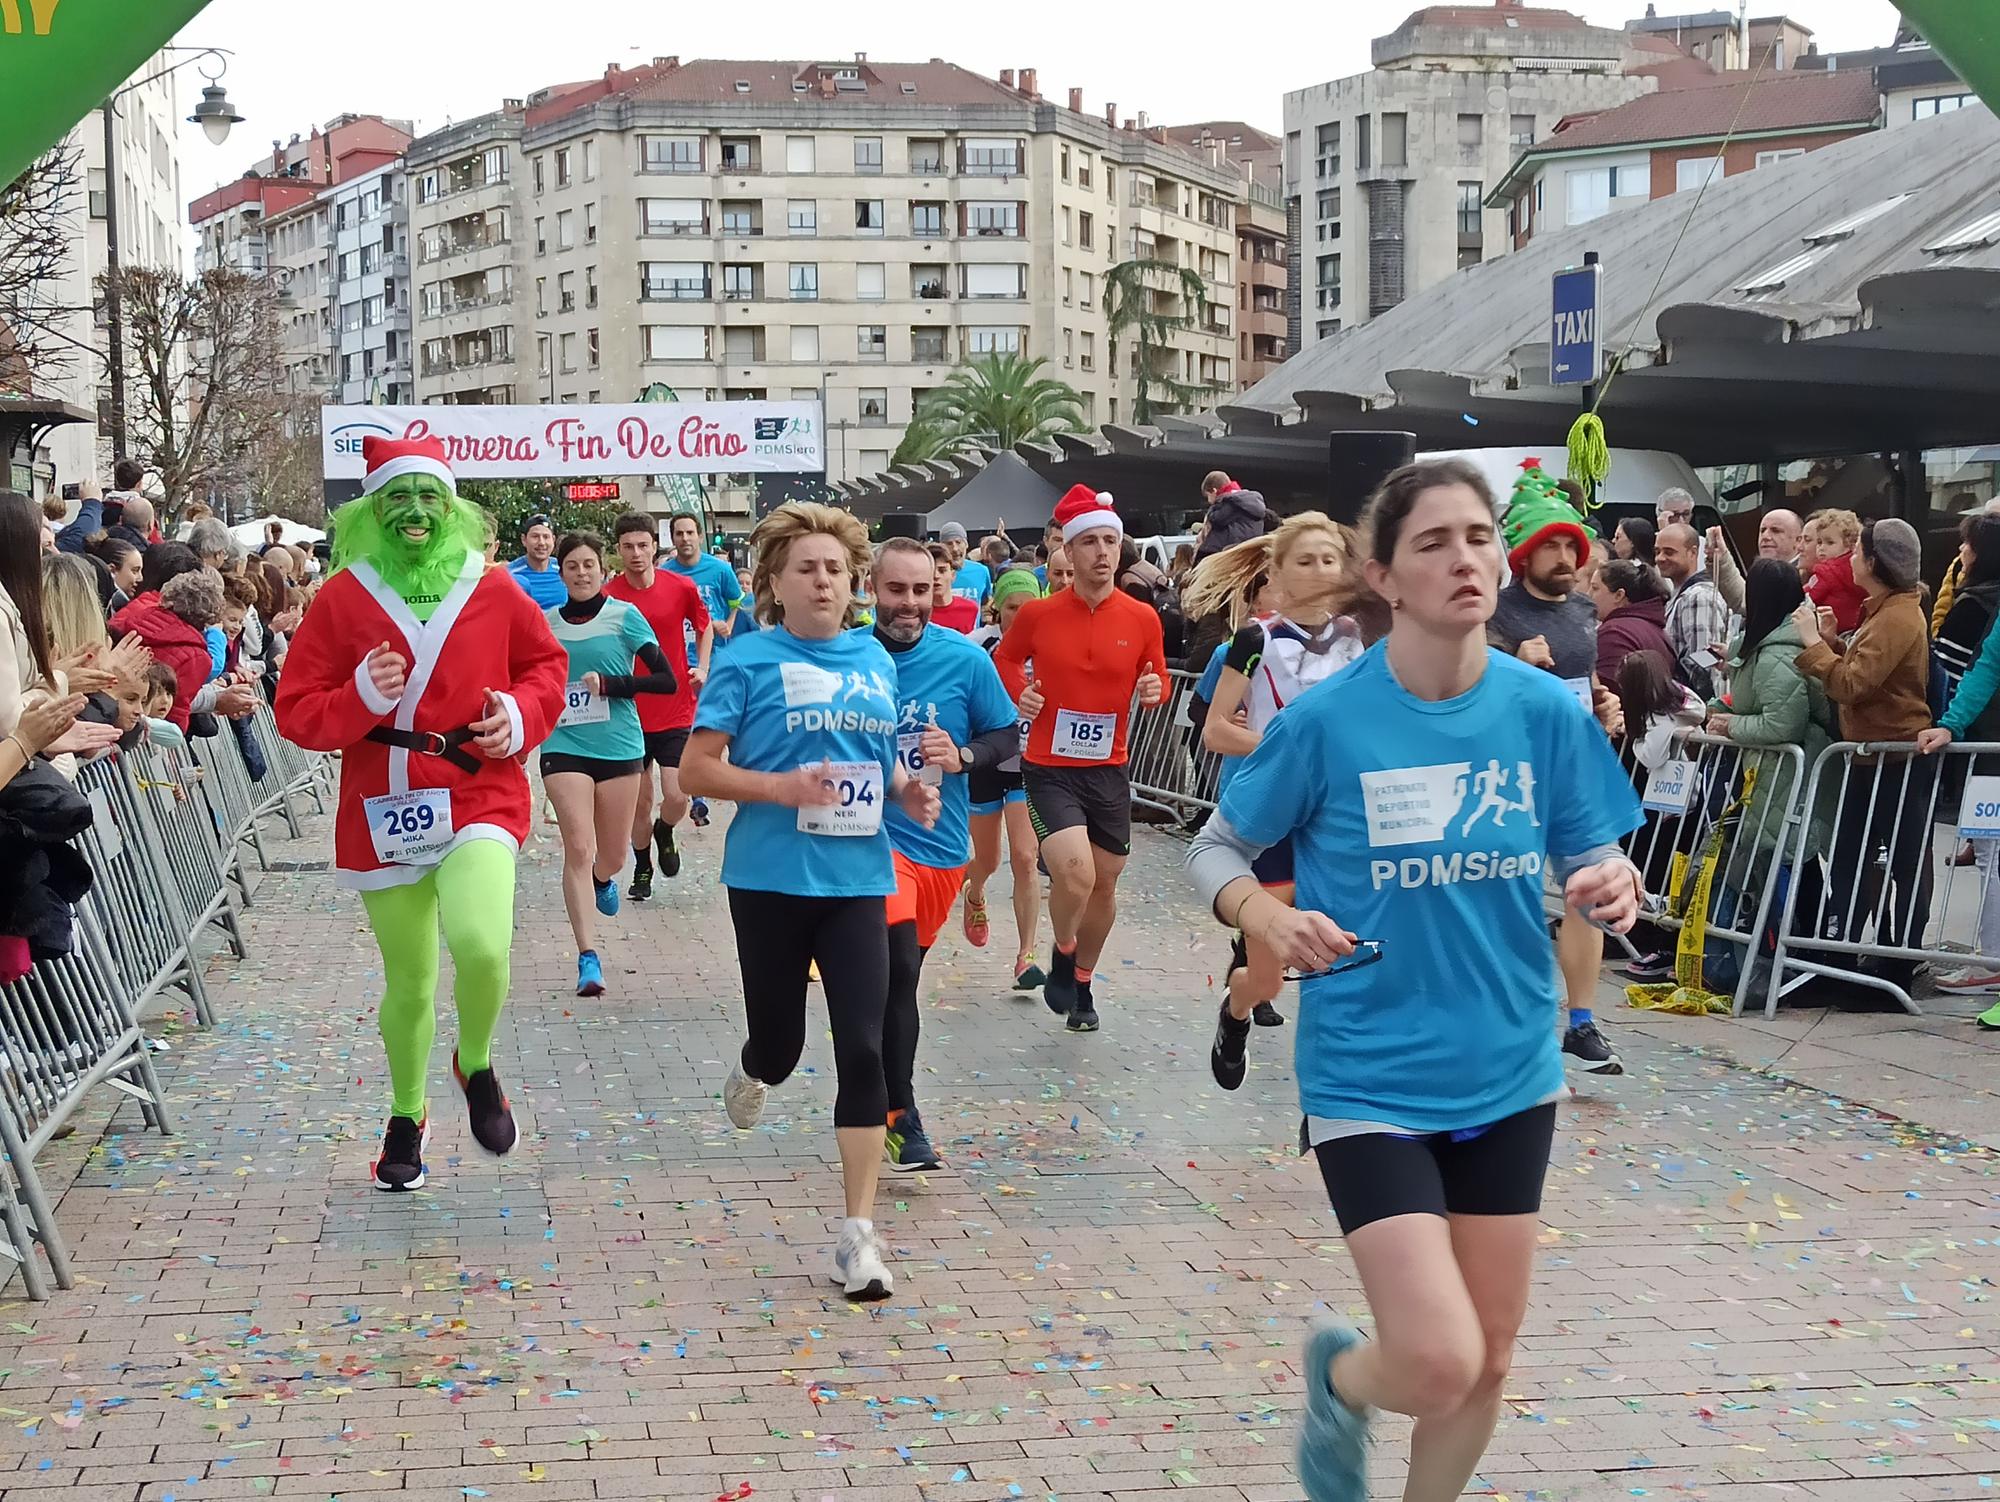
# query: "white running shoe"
{"points": [[1974, 980], [743, 1098], [858, 1266]]}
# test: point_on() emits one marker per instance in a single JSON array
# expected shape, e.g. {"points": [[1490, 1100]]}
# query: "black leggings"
{"points": [[901, 1025], [778, 938]]}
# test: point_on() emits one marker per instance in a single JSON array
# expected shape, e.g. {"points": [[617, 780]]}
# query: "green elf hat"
{"points": [[1539, 509]]}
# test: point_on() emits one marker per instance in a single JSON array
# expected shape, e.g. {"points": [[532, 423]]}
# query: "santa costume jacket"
{"points": [[484, 634]]}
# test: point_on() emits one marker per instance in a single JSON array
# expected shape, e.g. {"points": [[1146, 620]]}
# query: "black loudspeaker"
{"points": [[1358, 462], [904, 524]]}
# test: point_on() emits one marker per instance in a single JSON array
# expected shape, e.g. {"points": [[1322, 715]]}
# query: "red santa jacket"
{"points": [[484, 634]]}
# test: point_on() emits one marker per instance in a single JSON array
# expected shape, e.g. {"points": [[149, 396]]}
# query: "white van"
{"points": [[1159, 549]]}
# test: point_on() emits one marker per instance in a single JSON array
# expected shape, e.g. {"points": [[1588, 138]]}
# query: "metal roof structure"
{"points": [[1844, 301]]}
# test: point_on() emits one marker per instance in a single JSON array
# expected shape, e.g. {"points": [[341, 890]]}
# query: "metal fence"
{"points": [[168, 848], [1171, 769]]}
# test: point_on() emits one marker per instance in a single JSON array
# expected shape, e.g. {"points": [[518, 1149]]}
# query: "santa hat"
{"points": [[389, 458], [1083, 508], [1538, 510]]}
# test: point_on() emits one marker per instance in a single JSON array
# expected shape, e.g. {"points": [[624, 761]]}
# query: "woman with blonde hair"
{"points": [[1270, 662], [797, 726]]}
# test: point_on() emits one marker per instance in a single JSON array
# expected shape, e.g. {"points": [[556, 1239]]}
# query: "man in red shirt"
{"points": [[1092, 647], [672, 607]]}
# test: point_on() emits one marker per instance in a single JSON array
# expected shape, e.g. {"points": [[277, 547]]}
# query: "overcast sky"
{"points": [[440, 60]]}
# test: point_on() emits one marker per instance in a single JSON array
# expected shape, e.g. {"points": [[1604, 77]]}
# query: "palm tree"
{"points": [[998, 400], [1129, 291]]}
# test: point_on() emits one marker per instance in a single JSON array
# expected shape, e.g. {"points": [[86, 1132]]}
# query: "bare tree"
{"points": [[284, 473], [203, 356], [40, 231]]}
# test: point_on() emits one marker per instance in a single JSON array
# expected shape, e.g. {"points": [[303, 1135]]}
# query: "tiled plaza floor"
{"points": [[1747, 1289]]}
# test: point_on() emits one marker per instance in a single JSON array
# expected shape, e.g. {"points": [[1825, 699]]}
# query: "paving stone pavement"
{"points": [[1746, 1289]]}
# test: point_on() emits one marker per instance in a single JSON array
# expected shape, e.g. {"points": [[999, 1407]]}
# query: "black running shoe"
{"points": [[1586, 1045], [642, 882], [670, 853], [1083, 1016], [486, 1103], [401, 1165], [1650, 968], [909, 1146], [1060, 990], [1228, 1055], [1266, 1015]]}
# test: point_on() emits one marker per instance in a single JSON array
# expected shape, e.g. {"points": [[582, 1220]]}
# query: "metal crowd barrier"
{"points": [[1884, 802], [1171, 769], [167, 851]]}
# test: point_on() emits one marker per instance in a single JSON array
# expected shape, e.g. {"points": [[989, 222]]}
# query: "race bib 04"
{"points": [[857, 809], [410, 829], [1083, 737]]}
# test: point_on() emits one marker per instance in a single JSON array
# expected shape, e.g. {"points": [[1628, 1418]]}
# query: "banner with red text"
{"points": [[637, 438]]}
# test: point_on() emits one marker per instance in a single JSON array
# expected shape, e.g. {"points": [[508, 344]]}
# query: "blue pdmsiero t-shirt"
{"points": [[973, 581], [719, 588], [787, 702], [1429, 827], [544, 585], [946, 681]]}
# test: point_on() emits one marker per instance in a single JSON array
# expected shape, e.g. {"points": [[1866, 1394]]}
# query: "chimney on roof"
{"points": [[1125, 125], [1076, 101], [1028, 83], [1006, 78], [1142, 120], [667, 62], [1111, 114], [826, 86], [861, 57]]}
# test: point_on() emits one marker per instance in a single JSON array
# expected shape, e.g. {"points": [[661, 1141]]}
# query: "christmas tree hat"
{"points": [[1538, 510]]}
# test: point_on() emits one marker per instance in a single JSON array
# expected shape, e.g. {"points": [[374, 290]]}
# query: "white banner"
{"points": [[1979, 813], [638, 438]]}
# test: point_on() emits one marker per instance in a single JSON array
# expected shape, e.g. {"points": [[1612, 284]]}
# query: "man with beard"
{"points": [[953, 714], [1541, 619], [432, 678]]}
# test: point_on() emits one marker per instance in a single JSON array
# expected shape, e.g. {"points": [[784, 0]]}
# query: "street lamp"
{"points": [[215, 115]]}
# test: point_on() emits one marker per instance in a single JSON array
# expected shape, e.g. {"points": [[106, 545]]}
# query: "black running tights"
{"points": [[778, 938], [900, 1027]]}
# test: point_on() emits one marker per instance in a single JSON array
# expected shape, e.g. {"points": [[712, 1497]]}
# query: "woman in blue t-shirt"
{"points": [[807, 712], [592, 760], [1426, 789]]}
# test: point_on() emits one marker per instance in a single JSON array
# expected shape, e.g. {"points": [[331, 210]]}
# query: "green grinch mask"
{"points": [[415, 532]]}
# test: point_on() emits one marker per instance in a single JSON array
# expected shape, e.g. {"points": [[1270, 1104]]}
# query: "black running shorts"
{"points": [[596, 768], [1097, 799], [1498, 1170], [664, 747]]}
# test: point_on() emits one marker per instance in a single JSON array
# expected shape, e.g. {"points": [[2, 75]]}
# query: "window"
{"points": [[371, 311], [1520, 131], [494, 162], [566, 292], [927, 346], [566, 230], [673, 216], [1589, 190], [993, 341], [427, 188], [871, 342], [870, 281], [350, 265], [1328, 160], [991, 218], [562, 167], [743, 346], [741, 219], [1395, 139], [1363, 156], [1471, 130], [541, 237], [803, 279], [673, 281], [1089, 290], [739, 283], [590, 169], [1328, 203], [868, 155], [984, 157], [670, 153], [994, 281], [1470, 211], [541, 297], [874, 405], [1069, 286], [927, 281], [805, 344], [350, 317], [590, 286], [927, 158], [1066, 237], [798, 153], [802, 217], [739, 154], [1939, 104], [927, 219], [868, 216], [1086, 232], [568, 353], [590, 224], [540, 162], [1692, 172], [590, 354], [1069, 348], [1768, 158], [1089, 357], [1328, 269], [668, 343], [1083, 170]]}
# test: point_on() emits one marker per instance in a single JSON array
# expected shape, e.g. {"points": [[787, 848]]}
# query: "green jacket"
{"points": [[1773, 704]]}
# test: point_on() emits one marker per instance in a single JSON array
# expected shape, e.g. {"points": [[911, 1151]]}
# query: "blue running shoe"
{"points": [[589, 974], [1333, 1445], [607, 896], [698, 812]]}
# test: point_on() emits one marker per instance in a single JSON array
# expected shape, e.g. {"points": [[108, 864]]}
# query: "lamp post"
{"points": [[215, 115]]}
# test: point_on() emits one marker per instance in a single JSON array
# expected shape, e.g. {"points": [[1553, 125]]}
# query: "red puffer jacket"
{"points": [[174, 642], [1832, 586]]}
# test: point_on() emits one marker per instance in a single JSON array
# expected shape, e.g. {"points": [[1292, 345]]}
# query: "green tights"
{"points": [[470, 894]]}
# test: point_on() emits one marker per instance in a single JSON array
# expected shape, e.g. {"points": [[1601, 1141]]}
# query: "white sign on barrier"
{"points": [[1670, 786], [1979, 814], [635, 438]]}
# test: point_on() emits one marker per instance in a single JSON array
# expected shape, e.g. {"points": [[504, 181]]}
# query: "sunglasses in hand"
{"points": [[1366, 952]]}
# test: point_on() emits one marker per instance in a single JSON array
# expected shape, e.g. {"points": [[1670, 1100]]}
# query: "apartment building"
{"points": [[230, 221], [1263, 278], [792, 230], [1387, 172]]}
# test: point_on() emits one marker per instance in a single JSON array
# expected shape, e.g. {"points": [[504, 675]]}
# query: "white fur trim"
{"points": [[1076, 526], [402, 876], [407, 464], [370, 695], [517, 735]]}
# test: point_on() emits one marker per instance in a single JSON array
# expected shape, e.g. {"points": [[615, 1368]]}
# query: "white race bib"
{"points": [[1083, 737], [1581, 688], [582, 707], [410, 829], [859, 808], [1670, 786], [908, 753]]}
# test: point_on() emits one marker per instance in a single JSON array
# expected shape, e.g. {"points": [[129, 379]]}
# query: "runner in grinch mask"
{"points": [[432, 679]]}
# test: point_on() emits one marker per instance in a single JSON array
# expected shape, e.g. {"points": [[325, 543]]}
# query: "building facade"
{"points": [[1262, 236], [792, 231], [1388, 171], [365, 216]]}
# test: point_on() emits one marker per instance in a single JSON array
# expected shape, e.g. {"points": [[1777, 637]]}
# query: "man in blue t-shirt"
{"points": [[715, 581], [953, 713], [535, 570], [970, 579]]}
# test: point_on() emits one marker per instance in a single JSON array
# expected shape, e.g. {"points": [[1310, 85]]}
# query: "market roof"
{"points": [[1843, 301]]}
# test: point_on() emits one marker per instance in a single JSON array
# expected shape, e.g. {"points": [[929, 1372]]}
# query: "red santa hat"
{"points": [[389, 458], [1083, 508]]}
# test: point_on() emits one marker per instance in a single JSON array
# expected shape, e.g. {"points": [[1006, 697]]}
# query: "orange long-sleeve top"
{"points": [[1088, 660]]}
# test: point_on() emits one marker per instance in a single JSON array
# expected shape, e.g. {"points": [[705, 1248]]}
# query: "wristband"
{"points": [[1237, 921]]}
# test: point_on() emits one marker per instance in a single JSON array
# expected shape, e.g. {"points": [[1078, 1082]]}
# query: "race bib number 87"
{"points": [[582, 707]]}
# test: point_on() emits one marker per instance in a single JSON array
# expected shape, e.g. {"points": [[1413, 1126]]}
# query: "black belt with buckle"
{"points": [[448, 744]]}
